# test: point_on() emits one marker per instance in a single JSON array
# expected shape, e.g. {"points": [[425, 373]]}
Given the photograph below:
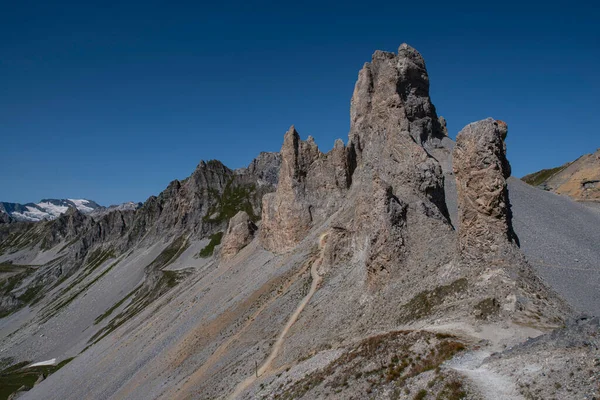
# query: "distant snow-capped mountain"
{"points": [[47, 209]]}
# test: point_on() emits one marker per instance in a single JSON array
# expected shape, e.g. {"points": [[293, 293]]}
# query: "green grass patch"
{"points": [[215, 240], [113, 308], [424, 303], [453, 390], [540, 177], [233, 199], [170, 253], [171, 278], [421, 394], [31, 294]]}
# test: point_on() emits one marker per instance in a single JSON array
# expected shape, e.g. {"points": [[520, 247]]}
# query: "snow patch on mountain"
{"points": [[53, 209], [82, 206], [47, 209]]}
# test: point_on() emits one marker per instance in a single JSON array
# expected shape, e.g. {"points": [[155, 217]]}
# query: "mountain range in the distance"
{"points": [[49, 209]]}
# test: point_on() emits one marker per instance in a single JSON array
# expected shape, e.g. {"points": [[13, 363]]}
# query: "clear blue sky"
{"points": [[112, 101]]}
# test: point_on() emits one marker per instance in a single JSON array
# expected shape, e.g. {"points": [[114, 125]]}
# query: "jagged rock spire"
{"points": [[392, 121], [391, 96], [481, 169], [311, 187]]}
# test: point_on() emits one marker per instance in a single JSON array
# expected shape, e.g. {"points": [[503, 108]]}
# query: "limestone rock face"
{"points": [[392, 119], [481, 169], [239, 234], [381, 217], [265, 168], [311, 187], [393, 122]]}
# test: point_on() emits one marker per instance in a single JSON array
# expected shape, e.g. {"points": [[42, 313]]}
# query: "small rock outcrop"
{"points": [[239, 234], [481, 169]]}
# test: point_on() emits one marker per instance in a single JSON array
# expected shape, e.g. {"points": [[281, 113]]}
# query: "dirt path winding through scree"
{"points": [[266, 366], [491, 385]]}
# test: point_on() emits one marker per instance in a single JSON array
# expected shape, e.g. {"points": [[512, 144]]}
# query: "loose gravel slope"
{"points": [[560, 237]]}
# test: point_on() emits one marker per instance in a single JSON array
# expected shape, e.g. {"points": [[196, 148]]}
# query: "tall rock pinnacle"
{"points": [[393, 124], [392, 92], [481, 169], [392, 121]]}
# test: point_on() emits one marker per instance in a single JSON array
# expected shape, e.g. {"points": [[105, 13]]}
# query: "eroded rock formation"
{"points": [[481, 169], [239, 234], [382, 216], [311, 187], [392, 123], [392, 119]]}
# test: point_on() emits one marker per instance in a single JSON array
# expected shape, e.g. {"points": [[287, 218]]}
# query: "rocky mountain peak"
{"points": [[392, 91], [265, 167], [393, 122]]}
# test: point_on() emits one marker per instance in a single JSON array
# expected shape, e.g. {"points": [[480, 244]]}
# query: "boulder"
{"points": [[240, 233]]}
